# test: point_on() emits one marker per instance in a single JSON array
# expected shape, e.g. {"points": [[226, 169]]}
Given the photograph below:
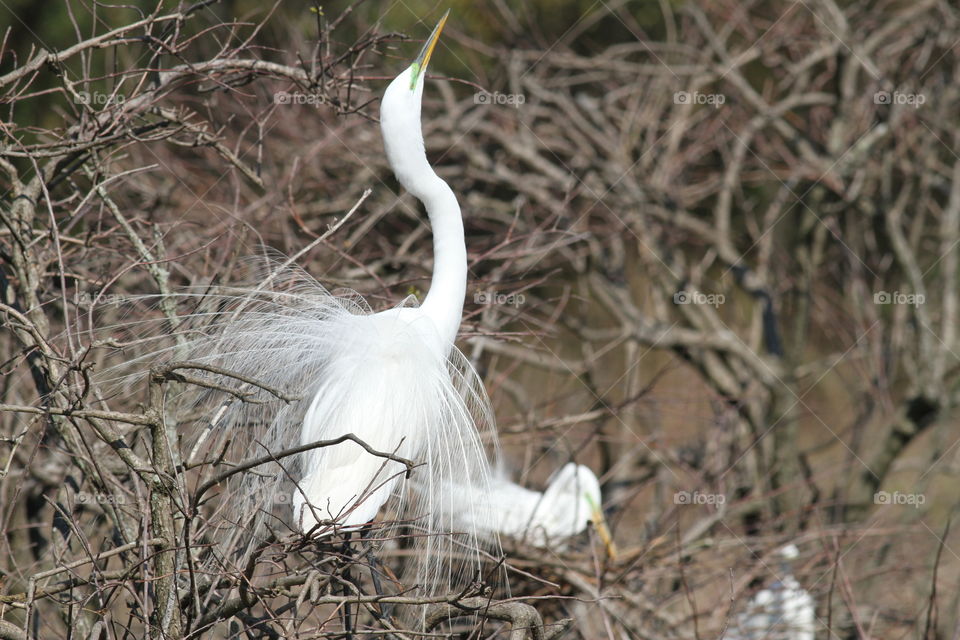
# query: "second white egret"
{"points": [[571, 501]]}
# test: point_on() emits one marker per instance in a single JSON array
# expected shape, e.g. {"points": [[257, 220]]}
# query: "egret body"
{"points": [[571, 501], [387, 381], [393, 379]]}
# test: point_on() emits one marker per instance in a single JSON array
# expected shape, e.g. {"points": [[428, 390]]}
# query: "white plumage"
{"points": [[387, 383], [782, 611], [387, 379], [393, 379], [563, 510]]}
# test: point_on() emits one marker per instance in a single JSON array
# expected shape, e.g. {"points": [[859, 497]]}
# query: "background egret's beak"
{"points": [[420, 64], [600, 524]]}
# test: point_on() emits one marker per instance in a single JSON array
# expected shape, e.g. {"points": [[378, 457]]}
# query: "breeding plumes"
{"points": [[782, 611], [308, 366], [571, 501], [387, 380]]}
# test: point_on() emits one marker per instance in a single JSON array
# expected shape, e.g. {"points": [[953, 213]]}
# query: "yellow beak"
{"points": [[600, 524], [420, 64]]}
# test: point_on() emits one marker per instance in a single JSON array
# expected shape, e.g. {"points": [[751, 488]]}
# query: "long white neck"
{"points": [[403, 141], [448, 284]]}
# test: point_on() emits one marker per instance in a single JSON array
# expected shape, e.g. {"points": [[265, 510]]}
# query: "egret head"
{"points": [[400, 114], [788, 554], [573, 495]]}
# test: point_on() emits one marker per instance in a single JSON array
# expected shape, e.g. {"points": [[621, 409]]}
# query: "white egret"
{"points": [[393, 379], [571, 501], [387, 380], [782, 611]]}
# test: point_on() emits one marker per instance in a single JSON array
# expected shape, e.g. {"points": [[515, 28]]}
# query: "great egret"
{"points": [[386, 379], [782, 611], [571, 501], [393, 379]]}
